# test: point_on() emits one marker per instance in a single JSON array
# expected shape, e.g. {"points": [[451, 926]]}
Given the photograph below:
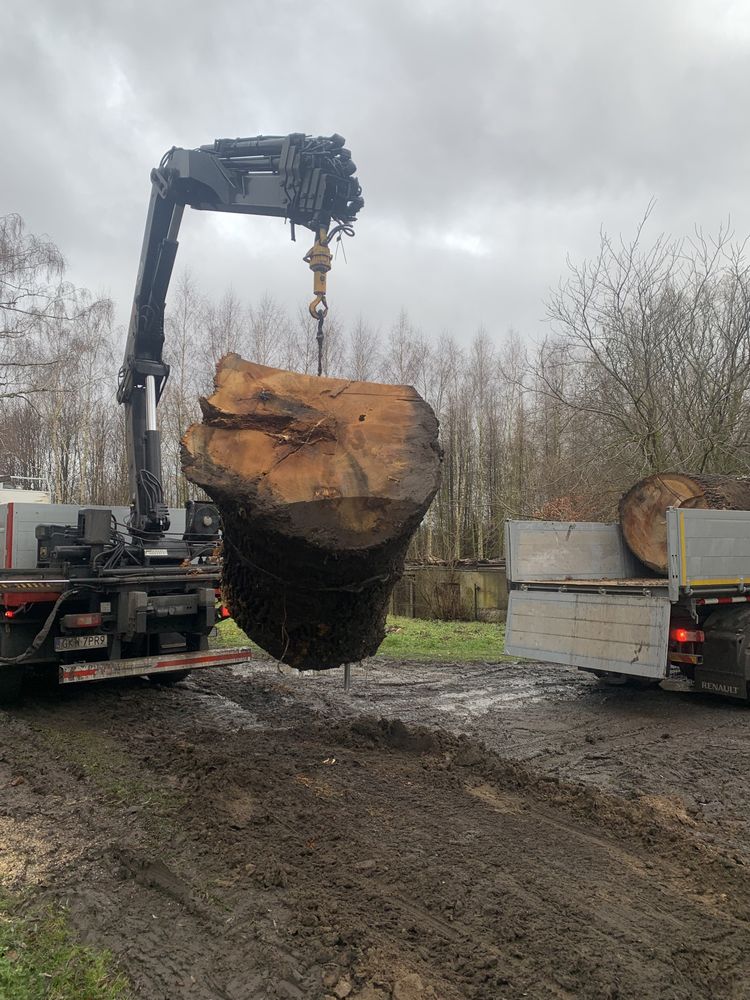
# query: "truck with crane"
{"points": [[96, 592]]}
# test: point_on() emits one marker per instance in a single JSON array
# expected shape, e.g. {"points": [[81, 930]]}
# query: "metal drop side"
{"points": [[617, 634], [580, 598]]}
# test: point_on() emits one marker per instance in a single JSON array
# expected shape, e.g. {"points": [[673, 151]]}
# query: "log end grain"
{"points": [[643, 509]]}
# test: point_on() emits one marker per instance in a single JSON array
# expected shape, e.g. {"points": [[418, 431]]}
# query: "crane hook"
{"points": [[319, 259]]}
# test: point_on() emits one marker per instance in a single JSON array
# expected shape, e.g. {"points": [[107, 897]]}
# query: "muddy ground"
{"points": [[522, 831]]}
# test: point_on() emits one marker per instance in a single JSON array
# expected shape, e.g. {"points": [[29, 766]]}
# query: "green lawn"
{"points": [[39, 960], [458, 642], [417, 639]]}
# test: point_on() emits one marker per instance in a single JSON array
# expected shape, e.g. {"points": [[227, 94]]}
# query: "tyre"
{"points": [[169, 677], [611, 679], [626, 680]]}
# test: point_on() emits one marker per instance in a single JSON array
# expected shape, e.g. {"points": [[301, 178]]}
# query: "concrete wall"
{"points": [[468, 591]]}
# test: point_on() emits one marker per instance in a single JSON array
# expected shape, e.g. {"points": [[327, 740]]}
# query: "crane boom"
{"points": [[308, 181]]}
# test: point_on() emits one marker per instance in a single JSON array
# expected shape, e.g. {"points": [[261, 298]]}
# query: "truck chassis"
{"points": [[82, 621]]}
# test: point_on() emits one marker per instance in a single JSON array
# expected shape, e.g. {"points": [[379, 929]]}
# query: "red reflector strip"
{"points": [[106, 669], [721, 600], [188, 660], [91, 672]]}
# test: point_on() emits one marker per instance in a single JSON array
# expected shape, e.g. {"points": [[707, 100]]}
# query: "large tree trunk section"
{"points": [[321, 483], [643, 508]]}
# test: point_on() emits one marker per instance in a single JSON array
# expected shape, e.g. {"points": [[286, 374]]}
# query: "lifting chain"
{"points": [[318, 257]]}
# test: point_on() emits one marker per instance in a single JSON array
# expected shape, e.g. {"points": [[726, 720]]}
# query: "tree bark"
{"points": [[643, 508], [321, 483]]}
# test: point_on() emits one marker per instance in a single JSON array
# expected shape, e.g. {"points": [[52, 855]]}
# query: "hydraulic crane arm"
{"points": [[304, 180]]}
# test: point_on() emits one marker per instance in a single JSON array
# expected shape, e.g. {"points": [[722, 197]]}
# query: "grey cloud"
{"points": [[517, 128]]}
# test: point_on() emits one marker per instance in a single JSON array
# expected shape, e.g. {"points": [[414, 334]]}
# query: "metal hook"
{"points": [[318, 308]]}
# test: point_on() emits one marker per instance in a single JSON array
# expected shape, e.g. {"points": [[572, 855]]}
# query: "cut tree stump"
{"points": [[643, 508], [321, 484]]}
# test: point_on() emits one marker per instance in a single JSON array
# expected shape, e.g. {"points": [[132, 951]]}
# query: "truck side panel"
{"points": [[552, 550], [708, 549], [615, 633]]}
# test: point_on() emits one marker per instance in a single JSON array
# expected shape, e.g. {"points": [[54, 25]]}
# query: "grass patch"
{"points": [[229, 634], [40, 960], [457, 642], [415, 639], [111, 770]]}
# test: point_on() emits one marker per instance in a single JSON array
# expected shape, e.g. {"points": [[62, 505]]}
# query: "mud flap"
{"points": [[726, 652]]}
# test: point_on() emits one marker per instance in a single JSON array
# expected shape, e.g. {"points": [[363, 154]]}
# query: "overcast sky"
{"points": [[492, 138]]}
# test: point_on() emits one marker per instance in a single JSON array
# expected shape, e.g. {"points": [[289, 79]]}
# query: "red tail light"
{"points": [[224, 612], [10, 614], [686, 635]]}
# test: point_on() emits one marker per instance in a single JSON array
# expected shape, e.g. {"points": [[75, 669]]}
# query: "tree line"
{"points": [[645, 366]]}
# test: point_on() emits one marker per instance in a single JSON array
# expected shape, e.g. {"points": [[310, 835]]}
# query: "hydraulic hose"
{"points": [[44, 632]]}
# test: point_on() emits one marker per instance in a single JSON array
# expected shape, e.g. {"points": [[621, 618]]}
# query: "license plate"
{"points": [[65, 642]]}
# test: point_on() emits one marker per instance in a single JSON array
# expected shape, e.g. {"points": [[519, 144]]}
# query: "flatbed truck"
{"points": [[579, 597]]}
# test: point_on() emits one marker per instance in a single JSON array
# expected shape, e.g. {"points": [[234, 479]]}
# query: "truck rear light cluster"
{"points": [[14, 612], [224, 612], [91, 620], [686, 635]]}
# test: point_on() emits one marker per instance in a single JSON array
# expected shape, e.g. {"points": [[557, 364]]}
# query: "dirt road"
{"points": [[522, 832]]}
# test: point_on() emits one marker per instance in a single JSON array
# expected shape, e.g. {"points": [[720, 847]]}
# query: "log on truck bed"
{"points": [[643, 508], [321, 483]]}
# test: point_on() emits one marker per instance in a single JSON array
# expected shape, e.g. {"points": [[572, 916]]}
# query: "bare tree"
{"points": [[363, 360], [224, 326], [31, 271], [35, 306], [267, 331], [184, 352], [652, 345]]}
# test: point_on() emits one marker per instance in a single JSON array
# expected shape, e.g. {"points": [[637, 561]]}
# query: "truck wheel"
{"points": [[169, 677], [625, 680], [610, 679], [11, 682]]}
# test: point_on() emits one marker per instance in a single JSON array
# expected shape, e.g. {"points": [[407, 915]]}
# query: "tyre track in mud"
{"points": [[251, 834], [688, 753]]}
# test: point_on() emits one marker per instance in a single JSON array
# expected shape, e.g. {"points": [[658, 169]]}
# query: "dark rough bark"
{"points": [[320, 483], [643, 508]]}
